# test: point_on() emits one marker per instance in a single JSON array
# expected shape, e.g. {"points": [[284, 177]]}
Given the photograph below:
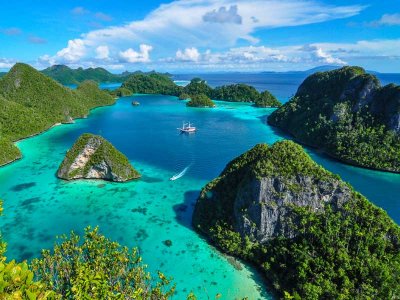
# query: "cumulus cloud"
{"points": [[75, 50], [201, 24], [102, 52], [132, 56], [223, 15], [189, 54], [6, 63], [318, 55]]}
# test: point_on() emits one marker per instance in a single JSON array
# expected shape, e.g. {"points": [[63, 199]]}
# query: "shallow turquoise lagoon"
{"points": [[145, 213]]}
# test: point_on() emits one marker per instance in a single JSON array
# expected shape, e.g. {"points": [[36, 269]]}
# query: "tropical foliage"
{"points": [[200, 100], [66, 75], [351, 252], [30, 103], [161, 84], [90, 268], [151, 84], [329, 111], [266, 99], [98, 268]]}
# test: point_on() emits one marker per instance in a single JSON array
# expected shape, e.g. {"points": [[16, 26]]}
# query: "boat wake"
{"points": [[181, 174]]}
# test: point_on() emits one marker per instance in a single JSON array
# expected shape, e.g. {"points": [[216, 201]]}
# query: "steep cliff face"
{"points": [[92, 157], [262, 207], [311, 233], [256, 192], [347, 113]]}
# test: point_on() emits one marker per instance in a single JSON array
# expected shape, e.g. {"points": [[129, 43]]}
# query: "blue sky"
{"points": [[201, 35]]}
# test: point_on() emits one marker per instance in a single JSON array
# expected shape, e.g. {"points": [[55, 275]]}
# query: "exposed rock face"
{"points": [[339, 110], [310, 233], [262, 206], [92, 157], [255, 194]]}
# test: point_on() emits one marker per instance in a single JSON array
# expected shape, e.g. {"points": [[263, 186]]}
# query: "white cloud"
{"points": [[75, 50], [6, 63], [387, 19], [318, 55], [216, 24], [102, 52], [189, 54], [132, 56]]}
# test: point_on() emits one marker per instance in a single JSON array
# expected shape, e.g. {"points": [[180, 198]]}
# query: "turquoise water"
{"points": [[144, 213]]}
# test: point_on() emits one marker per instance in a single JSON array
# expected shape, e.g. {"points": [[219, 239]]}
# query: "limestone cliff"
{"points": [[349, 115], [310, 233], [92, 157], [256, 192]]}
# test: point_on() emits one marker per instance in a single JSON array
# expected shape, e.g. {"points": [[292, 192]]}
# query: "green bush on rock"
{"points": [[200, 100], [313, 236]]}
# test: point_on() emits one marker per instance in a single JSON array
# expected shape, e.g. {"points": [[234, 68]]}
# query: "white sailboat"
{"points": [[187, 128]]}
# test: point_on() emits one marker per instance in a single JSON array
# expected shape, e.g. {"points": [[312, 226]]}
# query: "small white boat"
{"points": [[179, 175], [187, 128]]}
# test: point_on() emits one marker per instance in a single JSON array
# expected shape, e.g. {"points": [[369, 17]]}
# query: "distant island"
{"points": [[67, 76], [161, 84], [347, 114], [200, 100], [93, 157], [31, 102], [310, 233]]}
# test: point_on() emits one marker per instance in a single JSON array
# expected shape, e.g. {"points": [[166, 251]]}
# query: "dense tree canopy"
{"points": [[349, 115], [30, 103], [346, 252], [151, 84], [200, 100]]}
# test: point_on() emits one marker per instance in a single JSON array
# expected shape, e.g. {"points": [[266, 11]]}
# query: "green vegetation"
{"points": [[351, 251], [184, 96], [200, 100], [120, 92], [198, 86], [266, 99], [30, 103], [349, 115], [95, 268], [236, 92], [66, 75], [151, 84], [161, 84], [98, 152]]}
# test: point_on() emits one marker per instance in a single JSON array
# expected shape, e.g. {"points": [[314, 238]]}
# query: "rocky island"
{"points": [[93, 157], [310, 233], [349, 115], [200, 100]]}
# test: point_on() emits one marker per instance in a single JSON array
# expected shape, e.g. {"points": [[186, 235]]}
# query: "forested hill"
{"points": [[349, 115], [66, 75], [309, 232], [31, 102]]}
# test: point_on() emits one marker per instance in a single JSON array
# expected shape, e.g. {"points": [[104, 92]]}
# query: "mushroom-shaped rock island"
{"points": [[93, 157]]}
